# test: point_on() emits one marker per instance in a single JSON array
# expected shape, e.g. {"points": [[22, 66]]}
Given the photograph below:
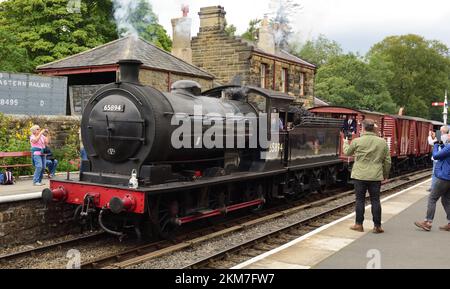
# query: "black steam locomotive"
{"points": [[160, 160]]}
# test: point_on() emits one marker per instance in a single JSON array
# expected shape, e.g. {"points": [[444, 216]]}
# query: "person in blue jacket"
{"points": [[441, 186]]}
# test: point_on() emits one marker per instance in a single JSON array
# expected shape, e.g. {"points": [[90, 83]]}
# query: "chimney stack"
{"points": [[266, 39], [212, 18], [129, 70], [181, 46]]}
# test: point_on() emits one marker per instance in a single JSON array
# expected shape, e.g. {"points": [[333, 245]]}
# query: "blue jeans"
{"points": [[433, 178], [39, 164], [84, 157], [51, 165]]}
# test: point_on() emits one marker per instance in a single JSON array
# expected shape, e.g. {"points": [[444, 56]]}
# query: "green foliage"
{"points": [[69, 155], [13, 58], [145, 21], [419, 69], [14, 137], [230, 30], [48, 30], [318, 51], [252, 31], [349, 81]]}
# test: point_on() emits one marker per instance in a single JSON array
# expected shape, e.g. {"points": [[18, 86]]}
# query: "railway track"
{"points": [[150, 251], [257, 246], [53, 246]]}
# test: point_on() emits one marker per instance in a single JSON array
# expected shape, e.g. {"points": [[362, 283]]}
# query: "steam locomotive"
{"points": [[157, 161]]}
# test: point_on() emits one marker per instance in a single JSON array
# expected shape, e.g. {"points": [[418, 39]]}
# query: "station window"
{"points": [[302, 83], [264, 69], [284, 80]]}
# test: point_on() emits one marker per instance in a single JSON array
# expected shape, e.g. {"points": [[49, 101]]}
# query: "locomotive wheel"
{"points": [[163, 214]]}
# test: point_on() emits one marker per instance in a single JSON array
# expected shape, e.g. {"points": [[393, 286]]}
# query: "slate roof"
{"points": [[285, 55], [320, 102], [129, 47]]}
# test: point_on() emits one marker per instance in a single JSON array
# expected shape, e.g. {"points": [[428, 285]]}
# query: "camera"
{"points": [[349, 135]]}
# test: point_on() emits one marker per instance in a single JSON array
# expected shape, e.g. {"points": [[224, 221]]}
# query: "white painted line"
{"points": [[318, 230], [22, 197]]}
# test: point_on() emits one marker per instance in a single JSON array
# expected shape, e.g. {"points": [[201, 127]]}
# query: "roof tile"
{"points": [[129, 47]]}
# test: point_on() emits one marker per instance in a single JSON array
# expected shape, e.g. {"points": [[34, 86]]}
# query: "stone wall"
{"points": [[221, 55], [60, 127], [80, 95], [29, 221], [160, 80], [294, 72], [234, 61]]}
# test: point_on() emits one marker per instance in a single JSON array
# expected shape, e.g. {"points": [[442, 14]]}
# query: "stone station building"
{"points": [[236, 61]]}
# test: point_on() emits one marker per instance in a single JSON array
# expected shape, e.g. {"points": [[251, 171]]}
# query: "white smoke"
{"points": [[282, 12], [123, 11]]}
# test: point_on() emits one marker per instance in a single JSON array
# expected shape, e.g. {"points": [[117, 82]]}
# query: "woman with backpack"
{"points": [[38, 143]]}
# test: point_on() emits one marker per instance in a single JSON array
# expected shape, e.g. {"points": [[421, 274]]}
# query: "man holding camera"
{"points": [[441, 183], [38, 142]]}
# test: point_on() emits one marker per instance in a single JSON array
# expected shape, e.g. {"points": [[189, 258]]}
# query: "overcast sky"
{"points": [[355, 24]]}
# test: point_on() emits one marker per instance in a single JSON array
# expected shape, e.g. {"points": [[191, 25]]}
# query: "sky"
{"points": [[355, 24]]}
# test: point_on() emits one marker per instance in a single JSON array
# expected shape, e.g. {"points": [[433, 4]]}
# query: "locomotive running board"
{"points": [[222, 211], [176, 186], [170, 187]]}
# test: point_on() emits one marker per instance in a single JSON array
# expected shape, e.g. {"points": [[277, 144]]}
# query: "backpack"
{"points": [[2, 178], [8, 178]]}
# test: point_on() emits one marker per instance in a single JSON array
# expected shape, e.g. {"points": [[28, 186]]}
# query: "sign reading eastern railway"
{"points": [[32, 94]]}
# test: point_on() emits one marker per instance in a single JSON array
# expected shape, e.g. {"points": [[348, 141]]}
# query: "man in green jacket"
{"points": [[372, 165]]}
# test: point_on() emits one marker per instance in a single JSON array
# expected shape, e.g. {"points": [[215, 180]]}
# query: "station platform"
{"points": [[23, 188], [402, 246]]}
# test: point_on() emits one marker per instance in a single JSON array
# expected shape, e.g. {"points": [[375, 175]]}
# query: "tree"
{"points": [[420, 72], [137, 17], [252, 31], [349, 81], [13, 58], [50, 30], [319, 51], [230, 30]]}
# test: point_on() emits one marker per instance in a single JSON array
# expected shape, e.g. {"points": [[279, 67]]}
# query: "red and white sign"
{"points": [[438, 104]]}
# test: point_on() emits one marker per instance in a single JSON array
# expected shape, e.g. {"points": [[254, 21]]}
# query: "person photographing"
{"points": [[38, 142]]}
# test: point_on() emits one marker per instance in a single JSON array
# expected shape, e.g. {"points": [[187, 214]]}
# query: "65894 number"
{"points": [[114, 108]]}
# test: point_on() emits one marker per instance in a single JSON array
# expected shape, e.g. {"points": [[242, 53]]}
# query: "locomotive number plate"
{"points": [[114, 108]]}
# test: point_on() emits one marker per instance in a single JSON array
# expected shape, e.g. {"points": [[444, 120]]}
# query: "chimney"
{"points": [[266, 40], [181, 46], [129, 70], [212, 18]]}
